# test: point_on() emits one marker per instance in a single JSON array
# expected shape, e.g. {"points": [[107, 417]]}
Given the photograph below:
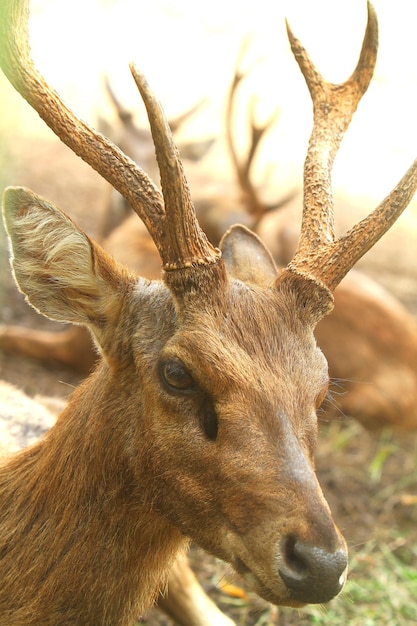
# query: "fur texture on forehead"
{"points": [[255, 337]]}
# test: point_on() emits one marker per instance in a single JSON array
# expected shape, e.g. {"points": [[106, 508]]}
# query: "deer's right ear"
{"points": [[64, 275], [246, 257]]}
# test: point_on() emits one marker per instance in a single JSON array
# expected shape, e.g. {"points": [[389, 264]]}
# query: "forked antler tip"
{"points": [[366, 64], [319, 255]]}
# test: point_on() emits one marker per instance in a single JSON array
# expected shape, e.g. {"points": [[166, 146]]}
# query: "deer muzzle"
{"points": [[288, 547], [312, 574], [303, 574]]}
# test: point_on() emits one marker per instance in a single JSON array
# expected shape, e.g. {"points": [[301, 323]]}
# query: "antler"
{"points": [[250, 196], [319, 256], [170, 220]]}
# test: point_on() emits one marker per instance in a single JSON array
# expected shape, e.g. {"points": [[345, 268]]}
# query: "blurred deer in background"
{"points": [[369, 340], [216, 215], [200, 420]]}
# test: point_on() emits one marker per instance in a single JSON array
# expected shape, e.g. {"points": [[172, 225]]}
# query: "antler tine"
{"points": [[175, 231], [250, 195], [124, 114], [185, 243], [175, 123], [257, 132], [318, 256], [255, 205], [242, 169], [360, 238]]}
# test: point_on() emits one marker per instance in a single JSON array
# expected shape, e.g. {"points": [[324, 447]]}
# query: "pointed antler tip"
{"points": [[138, 76], [291, 37]]}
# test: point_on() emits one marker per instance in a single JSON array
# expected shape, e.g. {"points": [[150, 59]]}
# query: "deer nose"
{"points": [[312, 574]]}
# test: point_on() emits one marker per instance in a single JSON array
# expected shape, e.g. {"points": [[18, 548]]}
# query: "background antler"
{"points": [[250, 196], [171, 221], [319, 256]]}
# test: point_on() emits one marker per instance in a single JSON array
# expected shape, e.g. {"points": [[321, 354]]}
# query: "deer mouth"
{"points": [[264, 590], [296, 589]]}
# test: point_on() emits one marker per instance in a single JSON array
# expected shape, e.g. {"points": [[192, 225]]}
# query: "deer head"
{"points": [[200, 421]]}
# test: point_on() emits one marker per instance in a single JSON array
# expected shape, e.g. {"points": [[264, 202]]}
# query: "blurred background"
{"points": [[188, 51]]}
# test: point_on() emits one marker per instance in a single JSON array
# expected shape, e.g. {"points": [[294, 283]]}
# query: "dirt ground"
{"points": [[367, 503]]}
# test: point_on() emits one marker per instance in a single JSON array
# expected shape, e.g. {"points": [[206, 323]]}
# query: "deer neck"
{"points": [[88, 535]]}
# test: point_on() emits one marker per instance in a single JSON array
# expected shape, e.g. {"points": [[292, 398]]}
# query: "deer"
{"points": [[369, 340], [200, 420]]}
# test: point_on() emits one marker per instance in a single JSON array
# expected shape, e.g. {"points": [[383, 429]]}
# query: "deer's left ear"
{"points": [[246, 258]]}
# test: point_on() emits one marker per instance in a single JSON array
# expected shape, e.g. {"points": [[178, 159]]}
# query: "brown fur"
{"points": [[61, 542]]}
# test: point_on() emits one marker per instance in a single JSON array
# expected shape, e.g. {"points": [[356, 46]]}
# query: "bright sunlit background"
{"points": [[188, 49]]}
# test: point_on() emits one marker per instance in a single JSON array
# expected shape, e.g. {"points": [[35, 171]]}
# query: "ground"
{"points": [[369, 480]]}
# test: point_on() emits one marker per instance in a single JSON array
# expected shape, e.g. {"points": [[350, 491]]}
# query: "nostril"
{"points": [[312, 574], [296, 564]]}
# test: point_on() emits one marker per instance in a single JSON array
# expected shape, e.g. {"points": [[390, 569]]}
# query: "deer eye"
{"points": [[176, 377]]}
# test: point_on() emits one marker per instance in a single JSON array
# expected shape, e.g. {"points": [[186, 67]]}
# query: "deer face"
{"points": [[221, 390], [231, 436]]}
